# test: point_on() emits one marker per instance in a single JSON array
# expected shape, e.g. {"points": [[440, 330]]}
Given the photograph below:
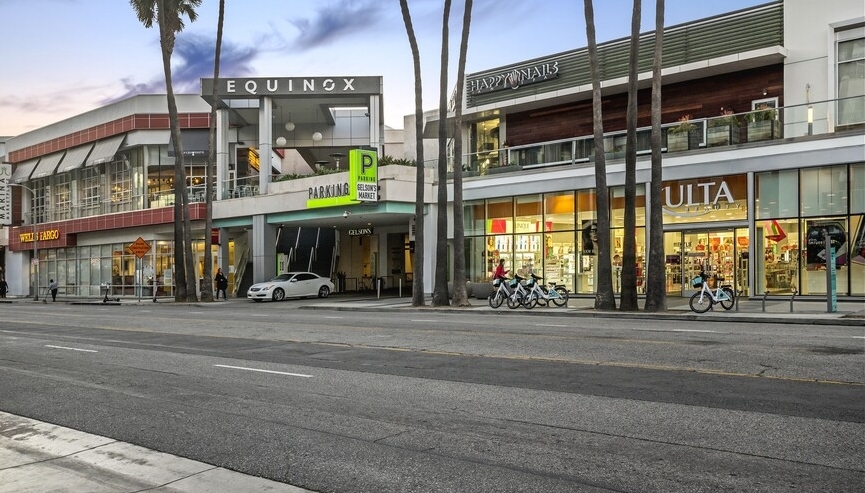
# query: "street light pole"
{"points": [[35, 238]]}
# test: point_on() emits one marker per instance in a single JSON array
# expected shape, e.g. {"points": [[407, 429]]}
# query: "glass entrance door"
{"points": [[722, 254]]}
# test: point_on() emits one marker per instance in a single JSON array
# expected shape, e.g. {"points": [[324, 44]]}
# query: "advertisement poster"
{"points": [[816, 243]]}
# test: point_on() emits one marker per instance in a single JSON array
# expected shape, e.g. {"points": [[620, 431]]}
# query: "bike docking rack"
{"points": [[738, 296], [765, 295]]}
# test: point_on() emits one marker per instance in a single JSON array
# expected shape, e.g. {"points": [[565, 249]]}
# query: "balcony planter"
{"points": [[503, 169], [683, 136], [764, 130], [723, 130]]}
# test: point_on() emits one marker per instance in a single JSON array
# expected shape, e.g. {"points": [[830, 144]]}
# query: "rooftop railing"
{"points": [[730, 129]]}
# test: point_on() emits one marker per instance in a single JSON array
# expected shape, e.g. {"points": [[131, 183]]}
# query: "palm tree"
{"points": [[604, 298], [168, 14], [207, 283], [418, 260], [629, 244], [460, 296], [440, 286], [656, 296]]}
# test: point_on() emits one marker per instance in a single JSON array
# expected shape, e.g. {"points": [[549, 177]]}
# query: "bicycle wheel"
{"points": [[731, 298], [496, 299], [514, 300], [561, 296], [530, 300], [700, 304]]}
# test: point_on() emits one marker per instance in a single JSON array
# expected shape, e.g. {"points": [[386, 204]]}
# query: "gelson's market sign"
{"points": [[513, 79]]}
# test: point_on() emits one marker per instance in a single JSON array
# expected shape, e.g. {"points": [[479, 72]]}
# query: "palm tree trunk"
{"points": [[418, 295], [460, 296], [656, 292], [207, 283], [604, 298], [440, 287], [629, 243]]}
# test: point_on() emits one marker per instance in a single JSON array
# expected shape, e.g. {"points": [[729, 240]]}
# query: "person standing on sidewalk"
{"points": [[4, 287], [221, 284], [52, 286]]}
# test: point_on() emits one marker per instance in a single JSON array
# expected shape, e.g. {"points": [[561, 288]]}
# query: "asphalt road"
{"points": [[421, 400]]}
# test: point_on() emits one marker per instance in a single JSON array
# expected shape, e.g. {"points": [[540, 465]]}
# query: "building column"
{"points": [[265, 142], [222, 155], [263, 249]]}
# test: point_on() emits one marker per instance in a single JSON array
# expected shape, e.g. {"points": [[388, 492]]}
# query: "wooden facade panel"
{"points": [[701, 98]]}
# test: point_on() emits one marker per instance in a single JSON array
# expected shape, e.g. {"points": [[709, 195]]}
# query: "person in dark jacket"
{"points": [[4, 287], [52, 286], [221, 284]]}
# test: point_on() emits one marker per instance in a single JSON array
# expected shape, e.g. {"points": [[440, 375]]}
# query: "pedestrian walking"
{"points": [[4, 287], [52, 286], [221, 284]]}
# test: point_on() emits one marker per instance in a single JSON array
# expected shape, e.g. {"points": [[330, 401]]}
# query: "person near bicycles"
{"points": [[500, 270]]}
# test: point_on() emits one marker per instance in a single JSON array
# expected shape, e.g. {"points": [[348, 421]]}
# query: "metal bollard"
{"points": [[764, 300], [738, 295], [792, 297], [400, 287]]}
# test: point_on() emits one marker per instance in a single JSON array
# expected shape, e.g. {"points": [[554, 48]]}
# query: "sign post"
{"points": [[831, 281], [140, 248]]}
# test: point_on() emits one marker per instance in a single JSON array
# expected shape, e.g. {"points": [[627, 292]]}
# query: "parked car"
{"points": [[291, 285]]}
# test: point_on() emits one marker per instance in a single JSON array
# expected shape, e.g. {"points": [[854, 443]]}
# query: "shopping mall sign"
{"points": [[701, 196], [5, 194], [362, 183]]}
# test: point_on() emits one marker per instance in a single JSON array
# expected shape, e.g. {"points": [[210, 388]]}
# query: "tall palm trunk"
{"points": [[604, 298], [207, 283], [167, 35], [418, 295], [460, 297], [440, 286], [629, 243], [656, 295]]}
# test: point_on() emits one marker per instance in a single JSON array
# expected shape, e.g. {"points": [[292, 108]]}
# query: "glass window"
{"points": [[473, 217], [824, 191], [857, 188], [500, 215], [529, 214], [617, 206], [856, 252], [559, 209], [851, 77], [88, 193], [121, 186], [62, 197], [815, 256], [774, 198]]}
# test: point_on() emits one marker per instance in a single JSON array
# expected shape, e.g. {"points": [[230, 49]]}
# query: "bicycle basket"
{"points": [[530, 282], [497, 282], [697, 282], [513, 283]]}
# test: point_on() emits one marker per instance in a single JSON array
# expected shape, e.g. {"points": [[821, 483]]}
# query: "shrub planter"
{"points": [[722, 135]]}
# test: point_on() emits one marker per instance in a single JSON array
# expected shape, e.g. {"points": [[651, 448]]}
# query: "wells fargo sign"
{"points": [[47, 235]]}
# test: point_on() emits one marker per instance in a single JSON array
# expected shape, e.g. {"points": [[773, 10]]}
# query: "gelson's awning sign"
{"points": [[362, 183]]}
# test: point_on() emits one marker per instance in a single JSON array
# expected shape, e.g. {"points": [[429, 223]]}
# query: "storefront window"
{"points": [[617, 206], [559, 209], [856, 253], [824, 191], [587, 241], [774, 198], [777, 256], [473, 217], [816, 259], [857, 189]]}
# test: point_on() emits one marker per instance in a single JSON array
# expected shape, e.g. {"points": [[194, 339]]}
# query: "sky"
{"points": [[61, 58]]}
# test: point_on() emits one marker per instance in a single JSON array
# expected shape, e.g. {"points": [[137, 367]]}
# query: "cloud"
{"points": [[336, 21], [192, 60]]}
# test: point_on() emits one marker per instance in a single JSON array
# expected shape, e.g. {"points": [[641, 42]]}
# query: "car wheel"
{"points": [[323, 292], [278, 294]]}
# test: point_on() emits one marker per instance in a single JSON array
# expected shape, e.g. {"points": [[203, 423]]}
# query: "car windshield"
{"points": [[282, 277]]}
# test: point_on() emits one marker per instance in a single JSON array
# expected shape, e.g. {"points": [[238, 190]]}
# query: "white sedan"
{"points": [[291, 285]]}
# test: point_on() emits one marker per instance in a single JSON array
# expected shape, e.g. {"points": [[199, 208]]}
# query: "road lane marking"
{"points": [[72, 349], [422, 320], [264, 371], [678, 330], [551, 325], [340, 318]]}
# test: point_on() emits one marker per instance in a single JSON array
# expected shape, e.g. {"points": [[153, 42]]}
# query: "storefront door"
{"points": [[720, 253]]}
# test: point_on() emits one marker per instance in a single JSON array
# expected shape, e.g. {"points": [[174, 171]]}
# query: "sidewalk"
{"points": [[37, 457], [804, 310]]}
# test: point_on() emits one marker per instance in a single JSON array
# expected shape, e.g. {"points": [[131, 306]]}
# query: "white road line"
{"points": [[335, 317], [551, 325], [422, 320], [677, 330], [72, 349], [265, 371]]}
